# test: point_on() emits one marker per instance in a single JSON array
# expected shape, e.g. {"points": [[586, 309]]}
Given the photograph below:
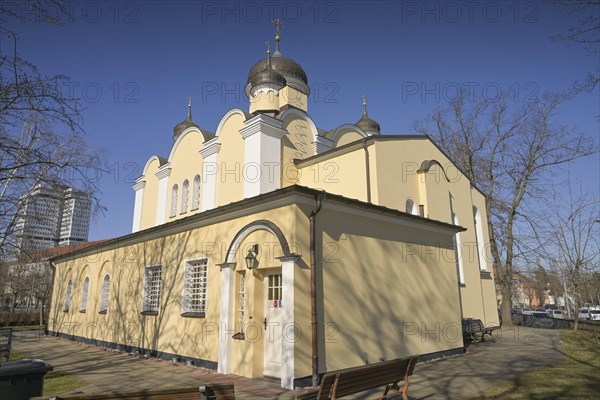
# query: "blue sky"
{"points": [[134, 63]]}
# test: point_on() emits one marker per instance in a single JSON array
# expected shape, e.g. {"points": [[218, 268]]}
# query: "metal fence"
{"points": [[554, 323]]}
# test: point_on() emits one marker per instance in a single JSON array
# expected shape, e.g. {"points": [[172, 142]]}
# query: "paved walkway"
{"points": [[485, 365]]}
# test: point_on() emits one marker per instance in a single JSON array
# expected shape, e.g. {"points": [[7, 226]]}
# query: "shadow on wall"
{"points": [[123, 323]]}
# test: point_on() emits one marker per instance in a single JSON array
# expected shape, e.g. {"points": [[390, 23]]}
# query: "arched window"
{"points": [[196, 193], [185, 194], [174, 200], [84, 295], [104, 294], [458, 253], [410, 206], [68, 295], [479, 239]]}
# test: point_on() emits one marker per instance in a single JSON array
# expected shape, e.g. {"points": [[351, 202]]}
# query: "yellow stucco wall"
{"points": [[378, 278], [149, 201], [347, 137], [265, 101], [230, 161], [168, 331], [344, 175], [293, 97], [394, 179], [383, 288], [185, 162]]}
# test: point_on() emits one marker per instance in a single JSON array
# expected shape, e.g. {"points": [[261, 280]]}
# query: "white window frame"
{"points": [[174, 192], [68, 295], [185, 195], [152, 289], [458, 252], [196, 192], [195, 288], [84, 295], [242, 291], [481, 257], [104, 294]]}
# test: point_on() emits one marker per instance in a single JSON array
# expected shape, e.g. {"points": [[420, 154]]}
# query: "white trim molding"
{"points": [[322, 144], [288, 264], [210, 169], [262, 155], [137, 208], [163, 191], [226, 328]]}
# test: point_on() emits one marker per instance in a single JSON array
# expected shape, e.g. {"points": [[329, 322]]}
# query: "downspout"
{"points": [[367, 169], [313, 289], [49, 305]]}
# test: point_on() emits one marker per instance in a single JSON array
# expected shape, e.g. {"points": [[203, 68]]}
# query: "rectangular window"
{"points": [[194, 288], [152, 289], [274, 289]]}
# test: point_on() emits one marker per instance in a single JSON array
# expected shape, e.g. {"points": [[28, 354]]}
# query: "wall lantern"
{"points": [[251, 260]]}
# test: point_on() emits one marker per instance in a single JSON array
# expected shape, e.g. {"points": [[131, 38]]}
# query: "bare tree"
{"points": [[572, 238], [585, 33], [509, 153], [41, 135]]}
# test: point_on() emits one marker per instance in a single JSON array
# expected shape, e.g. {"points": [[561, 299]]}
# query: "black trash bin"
{"points": [[22, 379]]}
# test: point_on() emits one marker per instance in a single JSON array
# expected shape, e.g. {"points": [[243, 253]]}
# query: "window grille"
{"points": [[194, 289], [152, 289]]}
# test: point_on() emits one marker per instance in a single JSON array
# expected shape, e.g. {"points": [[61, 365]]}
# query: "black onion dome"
{"points": [[182, 126], [285, 66], [267, 76], [186, 123], [367, 124]]}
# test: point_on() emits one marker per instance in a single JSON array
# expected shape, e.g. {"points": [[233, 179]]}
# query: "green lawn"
{"points": [[576, 377], [57, 383]]}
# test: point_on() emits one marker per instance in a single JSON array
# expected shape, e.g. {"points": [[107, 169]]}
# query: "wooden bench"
{"points": [[5, 342], [208, 392], [473, 327], [345, 382]]}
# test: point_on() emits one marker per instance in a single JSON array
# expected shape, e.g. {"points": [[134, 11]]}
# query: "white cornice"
{"points": [[265, 125], [211, 147], [139, 185], [164, 171], [322, 144]]}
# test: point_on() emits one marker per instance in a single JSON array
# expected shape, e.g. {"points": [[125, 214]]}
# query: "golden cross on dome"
{"points": [[277, 22]]}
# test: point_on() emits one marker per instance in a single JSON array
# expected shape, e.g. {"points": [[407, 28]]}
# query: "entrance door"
{"points": [[272, 324]]}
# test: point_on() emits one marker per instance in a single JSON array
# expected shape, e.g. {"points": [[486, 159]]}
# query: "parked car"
{"points": [[584, 313], [555, 314], [594, 314], [539, 314]]}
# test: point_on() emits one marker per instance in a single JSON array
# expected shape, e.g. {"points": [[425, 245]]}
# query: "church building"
{"points": [[271, 247]]}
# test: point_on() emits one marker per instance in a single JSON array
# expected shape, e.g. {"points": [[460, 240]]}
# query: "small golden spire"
{"points": [[189, 108], [279, 26], [364, 105], [268, 43]]}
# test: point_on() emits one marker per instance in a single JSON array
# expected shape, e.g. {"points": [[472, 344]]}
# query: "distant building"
{"points": [[51, 218]]}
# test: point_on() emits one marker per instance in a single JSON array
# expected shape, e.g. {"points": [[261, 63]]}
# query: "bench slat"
{"points": [[337, 384]]}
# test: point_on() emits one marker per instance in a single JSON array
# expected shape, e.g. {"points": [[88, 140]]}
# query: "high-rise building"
{"points": [[50, 218]]}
